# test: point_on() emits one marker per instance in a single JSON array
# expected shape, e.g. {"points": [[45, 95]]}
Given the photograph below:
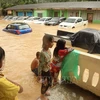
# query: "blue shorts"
{"points": [[35, 71]]}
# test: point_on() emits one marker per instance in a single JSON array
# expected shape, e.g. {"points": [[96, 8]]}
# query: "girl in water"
{"points": [[44, 66]]}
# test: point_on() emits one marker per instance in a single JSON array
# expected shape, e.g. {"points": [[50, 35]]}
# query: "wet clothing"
{"points": [[35, 71], [57, 61], [46, 75], [44, 70], [8, 90], [45, 59]]}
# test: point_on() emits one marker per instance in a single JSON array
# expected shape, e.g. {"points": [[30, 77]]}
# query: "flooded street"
{"points": [[20, 51]]}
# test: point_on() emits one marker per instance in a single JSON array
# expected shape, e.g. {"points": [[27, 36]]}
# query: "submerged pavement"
{"points": [[70, 92]]}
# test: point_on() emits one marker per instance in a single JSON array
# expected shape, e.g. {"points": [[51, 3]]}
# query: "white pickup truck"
{"points": [[73, 22]]}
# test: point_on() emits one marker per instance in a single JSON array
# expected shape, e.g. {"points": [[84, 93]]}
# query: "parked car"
{"points": [[14, 18], [21, 18], [87, 38], [5, 17], [73, 22], [31, 19], [8, 18], [43, 20], [55, 21], [62, 19], [18, 28]]}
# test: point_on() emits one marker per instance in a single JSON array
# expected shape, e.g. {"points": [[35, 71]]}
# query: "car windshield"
{"points": [[42, 19], [54, 20], [70, 20], [23, 27], [30, 19], [5, 17], [9, 17]]}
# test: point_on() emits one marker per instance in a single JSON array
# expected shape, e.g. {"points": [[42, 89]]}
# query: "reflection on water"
{"points": [[20, 51]]}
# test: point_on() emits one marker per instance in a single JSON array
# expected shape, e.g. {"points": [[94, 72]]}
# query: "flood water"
{"points": [[20, 51]]}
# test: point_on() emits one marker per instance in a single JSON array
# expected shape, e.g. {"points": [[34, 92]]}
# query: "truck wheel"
{"points": [[84, 24]]}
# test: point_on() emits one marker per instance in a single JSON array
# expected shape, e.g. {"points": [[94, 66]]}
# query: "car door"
{"points": [[15, 29], [48, 19], [79, 22]]}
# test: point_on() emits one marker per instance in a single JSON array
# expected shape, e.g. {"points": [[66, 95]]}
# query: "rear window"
{"points": [[24, 27]]}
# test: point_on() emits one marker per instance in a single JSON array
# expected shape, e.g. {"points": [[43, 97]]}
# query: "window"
{"points": [[8, 27], [39, 14], [79, 20], [23, 27]]}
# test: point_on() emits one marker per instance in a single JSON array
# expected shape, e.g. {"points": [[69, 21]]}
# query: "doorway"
{"points": [[40, 15], [56, 14], [90, 17]]}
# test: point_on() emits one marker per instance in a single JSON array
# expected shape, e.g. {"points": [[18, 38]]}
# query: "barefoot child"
{"points": [[35, 64], [44, 66]]}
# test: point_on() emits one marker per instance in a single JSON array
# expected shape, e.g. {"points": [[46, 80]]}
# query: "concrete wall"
{"points": [[44, 13], [73, 13], [50, 13], [84, 14], [96, 17], [89, 73], [96, 14], [63, 13]]}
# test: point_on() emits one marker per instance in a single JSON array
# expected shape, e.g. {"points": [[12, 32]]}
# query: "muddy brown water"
{"points": [[20, 51]]}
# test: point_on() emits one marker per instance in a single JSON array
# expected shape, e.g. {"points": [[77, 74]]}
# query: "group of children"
{"points": [[43, 66], [47, 68]]}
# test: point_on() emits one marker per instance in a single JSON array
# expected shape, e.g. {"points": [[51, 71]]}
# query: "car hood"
{"points": [[66, 23]]}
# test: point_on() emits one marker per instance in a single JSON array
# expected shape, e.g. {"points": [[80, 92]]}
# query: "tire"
{"points": [[84, 24]]}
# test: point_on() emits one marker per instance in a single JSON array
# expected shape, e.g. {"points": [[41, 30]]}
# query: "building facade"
{"points": [[87, 10]]}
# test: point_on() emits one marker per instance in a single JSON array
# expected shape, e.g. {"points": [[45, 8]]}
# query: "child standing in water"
{"points": [[44, 66], [35, 64], [59, 53], [8, 88]]}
